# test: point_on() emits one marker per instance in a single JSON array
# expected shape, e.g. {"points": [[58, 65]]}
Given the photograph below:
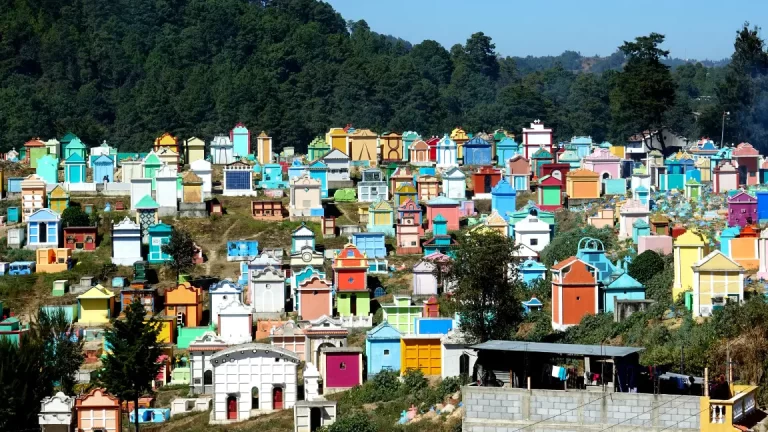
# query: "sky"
{"points": [[702, 29]]}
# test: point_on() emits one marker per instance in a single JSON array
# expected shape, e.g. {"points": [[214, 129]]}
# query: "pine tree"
{"points": [[133, 363]]}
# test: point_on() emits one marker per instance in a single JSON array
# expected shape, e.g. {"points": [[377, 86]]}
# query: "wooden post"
{"points": [[706, 382]]}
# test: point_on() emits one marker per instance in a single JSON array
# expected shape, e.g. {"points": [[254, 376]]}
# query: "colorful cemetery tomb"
{"points": [[98, 410], [420, 153], [35, 149], [642, 194], [126, 243], [399, 177], [483, 181], [43, 229], [631, 211], [660, 224], [267, 291], [725, 177], [14, 185], [166, 185], [742, 209], [185, 303], [661, 244], [409, 138], [321, 333], [61, 287], [447, 152], [494, 222], [319, 171], [103, 169], [381, 218], [48, 169], [532, 209], [689, 248], [58, 199], [640, 177], [460, 137], [744, 249], [191, 188], [441, 241], [717, 280], [550, 193], [341, 368], [56, 413], [617, 186], [405, 192], [146, 216], [582, 145], [762, 250], [454, 183], [538, 159], [306, 201], [195, 150], [315, 296], [362, 215], [421, 352], [242, 250], [409, 229], [519, 170], [296, 169], [592, 252], [170, 158], [220, 295], [762, 205], [168, 141], [477, 151], [604, 163], [53, 146], [271, 210], [201, 349], [382, 348], [372, 245], [12, 330], [33, 197], [447, 208], [536, 137], [96, 305], [603, 219], [531, 271], [424, 279], [431, 308], [640, 228], [372, 187], [222, 151], [267, 392], [532, 232], [570, 158], [150, 165], [81, 238], [337, 139], [506, 149], [582, 184], [272, 177], [238, 179], [141, 291], [704, 165], [428, 187], [241, 140], [401, 314], [159, 235], [574, 292], [289, 336], [362, 147], [338, 165], [353, 299], [12, 155], [692, 189], [317, 148], [391, 147], [556, 170], [747, 159], [671, 182], [264, 148]]}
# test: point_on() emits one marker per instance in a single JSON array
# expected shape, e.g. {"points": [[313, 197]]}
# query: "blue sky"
{"points": [[703, 29]]}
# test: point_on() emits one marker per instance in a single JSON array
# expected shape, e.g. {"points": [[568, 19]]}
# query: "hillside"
{"points": [[126, 71]]}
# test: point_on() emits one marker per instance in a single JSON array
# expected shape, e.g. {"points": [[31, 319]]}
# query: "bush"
{"points": [[356, 422], [413, 381], [645, 266]]}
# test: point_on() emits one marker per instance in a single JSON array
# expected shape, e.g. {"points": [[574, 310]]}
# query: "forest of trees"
{"points": [[127, 70]]}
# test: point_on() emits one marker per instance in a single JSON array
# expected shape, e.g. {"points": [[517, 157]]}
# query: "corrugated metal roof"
{"points": [[558, 348]]}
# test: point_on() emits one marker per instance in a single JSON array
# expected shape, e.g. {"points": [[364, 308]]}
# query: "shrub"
{"points": [[645, 266], [356, 422]]}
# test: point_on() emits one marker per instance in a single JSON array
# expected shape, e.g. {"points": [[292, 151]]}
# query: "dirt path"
{"points": [[213, 253]]}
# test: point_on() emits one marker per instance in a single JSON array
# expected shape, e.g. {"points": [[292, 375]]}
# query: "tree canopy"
{"points": [[127, 71]]}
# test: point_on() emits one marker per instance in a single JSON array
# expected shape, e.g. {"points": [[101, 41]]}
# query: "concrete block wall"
{"points": [[491, 409]]}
